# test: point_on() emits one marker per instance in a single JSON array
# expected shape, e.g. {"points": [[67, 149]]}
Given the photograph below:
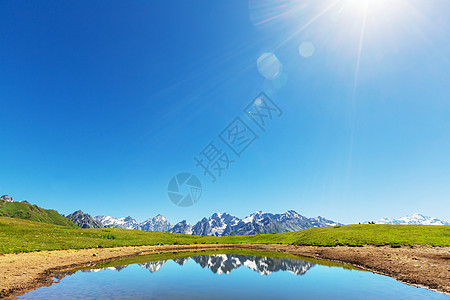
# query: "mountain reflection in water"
{"points": [[225, 263]]}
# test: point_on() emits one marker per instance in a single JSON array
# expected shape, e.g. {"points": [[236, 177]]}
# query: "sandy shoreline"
{"points": [[419, 265]]}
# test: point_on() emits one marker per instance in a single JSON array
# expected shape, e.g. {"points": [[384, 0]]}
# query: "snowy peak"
{"points": [[321, 222], [110, 222], [224, 218], [159, 218], [217, 225], [128, 219], [415, 219], [256, 216], [158, 223], [290, 213], [182, 227]]}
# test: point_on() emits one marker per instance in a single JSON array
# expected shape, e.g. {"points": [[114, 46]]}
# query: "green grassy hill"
{"points": [[17, 235], [30, 212], [366, 234]]}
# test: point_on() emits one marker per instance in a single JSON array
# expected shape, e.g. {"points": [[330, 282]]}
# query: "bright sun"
{"points": [[358, 29]]}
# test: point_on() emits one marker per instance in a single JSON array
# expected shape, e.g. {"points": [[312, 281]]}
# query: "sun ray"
{"points": [[307, 24], [355, 84], [360, 46]]}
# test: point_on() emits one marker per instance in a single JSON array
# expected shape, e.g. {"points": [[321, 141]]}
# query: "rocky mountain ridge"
{"points": [[84, 220], [220, 224]]}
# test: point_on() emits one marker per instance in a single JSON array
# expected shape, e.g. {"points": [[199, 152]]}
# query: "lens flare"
{"points": [[268, 65], [306, 49]]}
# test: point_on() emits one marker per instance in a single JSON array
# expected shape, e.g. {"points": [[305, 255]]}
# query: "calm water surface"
{"points": [[228, 276]]}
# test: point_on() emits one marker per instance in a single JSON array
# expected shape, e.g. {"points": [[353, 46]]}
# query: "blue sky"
{"points": [[103, 102]]}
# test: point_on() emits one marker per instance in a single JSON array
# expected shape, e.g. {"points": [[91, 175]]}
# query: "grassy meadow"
{"points": [[18, 235]]}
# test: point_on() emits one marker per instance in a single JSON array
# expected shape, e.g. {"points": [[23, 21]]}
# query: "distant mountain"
{"points": [[415, 219], [322, 222], [158, 223], [182, 227], [260, 222], [110, 222], [22, 210], [84, 220], [220, 224]]}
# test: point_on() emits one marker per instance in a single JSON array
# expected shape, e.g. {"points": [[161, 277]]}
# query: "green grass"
{"points": [[33, 213], [359, 235], [17, 235]]}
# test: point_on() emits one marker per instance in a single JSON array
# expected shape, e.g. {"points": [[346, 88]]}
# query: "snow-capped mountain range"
{"points": [[415, 219], [220, 224], [158, 223], [225, 263], [111, 222], [260, 222]]}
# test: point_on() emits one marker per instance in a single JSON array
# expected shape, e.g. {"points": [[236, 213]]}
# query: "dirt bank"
{"points": [[420, 265]]}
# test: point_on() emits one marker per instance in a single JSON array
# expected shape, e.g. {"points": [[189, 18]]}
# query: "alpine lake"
{"points": [[232, 274]]}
